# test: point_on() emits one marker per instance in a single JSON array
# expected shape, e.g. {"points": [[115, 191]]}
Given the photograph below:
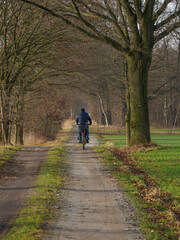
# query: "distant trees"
{"points": [[103, 81], [45, 111], [98, 75], [164, 85], [133, 28]]}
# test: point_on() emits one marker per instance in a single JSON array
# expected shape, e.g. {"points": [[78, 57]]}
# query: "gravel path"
{"points": [[94, 207]]}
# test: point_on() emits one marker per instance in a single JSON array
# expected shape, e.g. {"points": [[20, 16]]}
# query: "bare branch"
{"points": [[162, 9], [123, 20], [96, 35], [166, 32], [148, 11], [132, 21], [167, 20], [138, 8]]}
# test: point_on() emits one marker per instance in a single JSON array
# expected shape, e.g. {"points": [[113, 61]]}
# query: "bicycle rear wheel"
{"points": [[84, 146], [84, 141]]}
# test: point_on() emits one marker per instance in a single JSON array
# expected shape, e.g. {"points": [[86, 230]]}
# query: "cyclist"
{"points": [[82, 119]]}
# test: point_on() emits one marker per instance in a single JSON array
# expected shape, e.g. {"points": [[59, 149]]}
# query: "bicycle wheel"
{"points": [[84, 141], [83, 146]]}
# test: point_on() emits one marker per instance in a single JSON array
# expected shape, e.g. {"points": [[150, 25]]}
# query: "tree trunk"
{"points": [[46, 125], [19, 135], [99, 114], [109, 118], [138, 68], [5, 119], [124, 112], [103, 111], [128, 107], [175, 120], [108, 108], [128, 118], [166, 111]]}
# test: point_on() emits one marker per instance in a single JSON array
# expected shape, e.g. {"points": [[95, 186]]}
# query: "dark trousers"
{"points": [[79, 132]]}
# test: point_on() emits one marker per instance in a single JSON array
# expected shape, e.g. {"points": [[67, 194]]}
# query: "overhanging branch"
{"points": [[97, 35], [161, 9], [166, 32], [167, 20]]}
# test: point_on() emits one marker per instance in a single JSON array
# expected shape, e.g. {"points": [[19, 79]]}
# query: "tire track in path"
{"points": [[94, 207]]}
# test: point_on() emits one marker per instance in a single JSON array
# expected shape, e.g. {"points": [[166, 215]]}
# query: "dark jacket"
{"points": [[83, 118]]}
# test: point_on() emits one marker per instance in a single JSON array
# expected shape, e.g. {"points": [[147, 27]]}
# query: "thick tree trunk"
{"points": [[128, 118], [138, 68], [124, 111]]}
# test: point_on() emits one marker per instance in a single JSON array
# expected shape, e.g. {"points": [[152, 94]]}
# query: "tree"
{"points": [[91, 76], [26, 53], [132, 27], [44, 112], [98, 76], [164, 84], [17, 42]]}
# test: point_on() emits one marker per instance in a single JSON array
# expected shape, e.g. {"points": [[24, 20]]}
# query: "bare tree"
{"points": [[164, 84], [26, 53], [18, 42], [132, 27]]}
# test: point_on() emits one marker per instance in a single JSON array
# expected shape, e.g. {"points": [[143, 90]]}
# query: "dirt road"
{"points": [[18, 184], [94, 207]]}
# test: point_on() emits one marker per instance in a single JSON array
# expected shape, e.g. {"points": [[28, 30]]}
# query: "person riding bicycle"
{"points": [[82, 119]]}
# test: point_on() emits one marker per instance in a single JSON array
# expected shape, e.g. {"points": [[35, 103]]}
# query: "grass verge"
{"points": [[151, 178], [120, 140], [40, 206], [6, 156]]}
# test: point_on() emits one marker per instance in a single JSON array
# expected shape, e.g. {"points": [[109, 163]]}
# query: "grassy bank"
{"points": [[151, 177], [6, 156], [40, 206]]}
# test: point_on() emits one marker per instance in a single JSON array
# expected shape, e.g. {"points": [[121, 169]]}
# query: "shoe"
{"points": [[80, 141], [87, 140]]}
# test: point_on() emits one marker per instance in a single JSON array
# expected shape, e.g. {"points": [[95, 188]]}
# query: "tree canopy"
{"points": [[132, 27]]}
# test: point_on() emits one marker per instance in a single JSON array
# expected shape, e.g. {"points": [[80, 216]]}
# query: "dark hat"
{"points": [[82, 110]]}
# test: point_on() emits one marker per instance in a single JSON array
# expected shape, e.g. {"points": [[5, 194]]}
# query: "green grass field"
{"points": [[151, 178], [166, 140], [162, 165]]}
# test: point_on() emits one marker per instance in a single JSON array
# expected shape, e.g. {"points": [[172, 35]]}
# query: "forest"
{"points": [[120, 60], [49, 70]]}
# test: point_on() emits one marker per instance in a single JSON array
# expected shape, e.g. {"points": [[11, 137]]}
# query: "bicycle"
{"points": [[83, 129]]}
